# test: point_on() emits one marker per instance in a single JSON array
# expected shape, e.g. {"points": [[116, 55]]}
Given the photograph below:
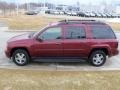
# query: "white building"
{"points": [[117, 10]]}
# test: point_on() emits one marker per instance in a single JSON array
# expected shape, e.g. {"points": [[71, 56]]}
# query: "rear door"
{"points": [[75, 42]]}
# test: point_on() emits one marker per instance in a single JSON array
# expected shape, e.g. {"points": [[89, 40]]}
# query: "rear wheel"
{"points": [[97, 58], [20, 57]]}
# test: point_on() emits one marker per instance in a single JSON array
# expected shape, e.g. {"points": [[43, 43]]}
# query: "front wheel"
{"points": [[97, 58], [20, 57]]}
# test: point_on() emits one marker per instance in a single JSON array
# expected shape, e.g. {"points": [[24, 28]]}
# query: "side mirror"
{"points": [[39, 39]]}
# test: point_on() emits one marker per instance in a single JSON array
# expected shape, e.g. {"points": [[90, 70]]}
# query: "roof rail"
{"points": [[81, 22], [67, 21]]}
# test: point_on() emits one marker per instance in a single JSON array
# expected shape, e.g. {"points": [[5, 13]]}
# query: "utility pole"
{"points": [[17, 8], [44, 4], [28, 5]]}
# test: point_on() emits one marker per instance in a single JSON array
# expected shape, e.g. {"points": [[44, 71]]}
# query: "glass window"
{"points": [[51, 34], [74, 32], [102, 32]]}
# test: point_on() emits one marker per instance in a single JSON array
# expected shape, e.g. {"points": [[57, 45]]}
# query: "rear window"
{"points": [[74, 32], [102, 32]]}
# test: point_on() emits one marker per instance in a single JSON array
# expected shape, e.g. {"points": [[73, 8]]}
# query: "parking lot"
{"points": [[111, 64]]}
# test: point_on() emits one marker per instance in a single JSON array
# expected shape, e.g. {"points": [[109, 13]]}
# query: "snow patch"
{"points": [[114, 20]]}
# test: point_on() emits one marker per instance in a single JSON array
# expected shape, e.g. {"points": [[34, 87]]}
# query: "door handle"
{"points": [[57, 43]]}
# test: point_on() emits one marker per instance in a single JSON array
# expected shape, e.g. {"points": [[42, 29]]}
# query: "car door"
{"points": [[75, 42], [50, 43]]}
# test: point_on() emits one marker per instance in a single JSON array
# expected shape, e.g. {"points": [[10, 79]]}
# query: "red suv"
{"points": [[89, 39]]}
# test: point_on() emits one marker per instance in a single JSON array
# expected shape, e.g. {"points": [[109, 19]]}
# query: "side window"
{"points": [[102, 32], [51, 34], [74, 32]]}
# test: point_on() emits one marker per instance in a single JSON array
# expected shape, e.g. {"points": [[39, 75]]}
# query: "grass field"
{"points": [[36, 22], [58, 80], [115, 26], [28, 22]]}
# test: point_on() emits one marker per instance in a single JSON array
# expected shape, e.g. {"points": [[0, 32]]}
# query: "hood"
{"points": [[19, 37]]}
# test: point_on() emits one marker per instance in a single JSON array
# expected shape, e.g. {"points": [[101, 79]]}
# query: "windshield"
{"points": [[37, 32]]}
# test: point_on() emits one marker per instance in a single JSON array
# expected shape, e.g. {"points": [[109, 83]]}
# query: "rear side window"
{"points": [[74, 32], [102, 32]]}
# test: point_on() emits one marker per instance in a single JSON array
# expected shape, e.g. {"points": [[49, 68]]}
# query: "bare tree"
{"points": [[12, 7], [5, 7]]}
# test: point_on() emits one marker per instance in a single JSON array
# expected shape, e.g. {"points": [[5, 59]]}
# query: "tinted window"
{"points": [[74, 32], [102, 32], [51, 34]]}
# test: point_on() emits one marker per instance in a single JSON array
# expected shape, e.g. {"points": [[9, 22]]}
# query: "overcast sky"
{"points": [[67, 1]]}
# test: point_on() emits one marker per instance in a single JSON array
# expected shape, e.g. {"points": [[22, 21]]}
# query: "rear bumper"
{"points": [[115, 52]]}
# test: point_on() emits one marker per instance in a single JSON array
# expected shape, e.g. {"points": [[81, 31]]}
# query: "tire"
{"points": [[20, 57], [97, 58]]}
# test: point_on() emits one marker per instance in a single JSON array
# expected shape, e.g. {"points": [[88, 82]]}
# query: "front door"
{"points": [[50, 44]]}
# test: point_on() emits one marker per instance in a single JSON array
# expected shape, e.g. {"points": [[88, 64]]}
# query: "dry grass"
{"points": [[58, 80], [28, 22], [36, 22], [115, 26]]}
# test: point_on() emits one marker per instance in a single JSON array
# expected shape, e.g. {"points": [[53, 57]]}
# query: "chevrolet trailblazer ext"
{"points": [[88, 39]]}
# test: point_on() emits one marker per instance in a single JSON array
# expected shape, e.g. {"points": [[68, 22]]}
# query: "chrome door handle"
{"points": [[57, 43]]}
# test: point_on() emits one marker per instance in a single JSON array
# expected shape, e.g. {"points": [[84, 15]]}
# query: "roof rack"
{"points": [[74, 20], [80, 21]]}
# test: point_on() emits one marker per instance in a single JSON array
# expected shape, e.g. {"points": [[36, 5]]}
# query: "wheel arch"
{"points": [[16, 48], [105, 50]]}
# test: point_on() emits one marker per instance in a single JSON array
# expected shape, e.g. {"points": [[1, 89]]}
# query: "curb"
{"points": [[57, 68]]}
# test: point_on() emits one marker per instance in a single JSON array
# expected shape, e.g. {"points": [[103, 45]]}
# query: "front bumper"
{"points": [[7, 53]]}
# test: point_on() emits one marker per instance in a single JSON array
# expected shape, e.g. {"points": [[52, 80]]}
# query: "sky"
{"points": [[67, 2]]}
